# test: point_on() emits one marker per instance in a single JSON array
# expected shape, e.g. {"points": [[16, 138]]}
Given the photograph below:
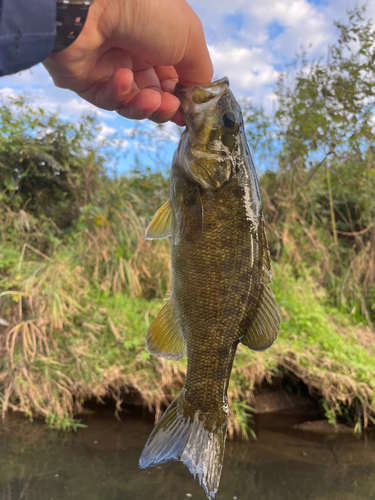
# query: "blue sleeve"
{"points": [[27, 33]]}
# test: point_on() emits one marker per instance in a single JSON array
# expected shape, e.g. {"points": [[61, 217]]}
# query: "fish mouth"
{"points": [[217, 83], [202, 94]]}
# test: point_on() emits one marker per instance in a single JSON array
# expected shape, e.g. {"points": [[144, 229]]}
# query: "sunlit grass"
{"points": [[70, 340]]}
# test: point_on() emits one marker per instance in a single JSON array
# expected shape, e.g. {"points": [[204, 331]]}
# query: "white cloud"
{"points": [[105, 130], [248, 70], [166, 132], [149, 136], [312, 34], [287, 12], [37, 83], [303, 22], [8, 92]]}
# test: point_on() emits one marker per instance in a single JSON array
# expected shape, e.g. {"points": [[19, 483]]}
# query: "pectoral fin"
{"points": [[189, 211], [164, 337], [160, 226]]}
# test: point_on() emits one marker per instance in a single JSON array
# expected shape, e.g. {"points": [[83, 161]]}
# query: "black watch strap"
{"points": [[70, 18]]}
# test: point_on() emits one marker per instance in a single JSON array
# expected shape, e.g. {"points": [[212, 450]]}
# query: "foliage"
{"points": [[321, 202], [47, 166], [260, 134], [68, 342]]}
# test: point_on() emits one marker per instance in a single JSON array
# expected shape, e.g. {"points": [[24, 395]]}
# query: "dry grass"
{"points": [[301, 235], [118, 258], [66, 343], [73, 328]]}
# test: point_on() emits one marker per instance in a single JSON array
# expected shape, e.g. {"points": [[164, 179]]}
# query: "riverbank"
{"points": [[96, 350]]}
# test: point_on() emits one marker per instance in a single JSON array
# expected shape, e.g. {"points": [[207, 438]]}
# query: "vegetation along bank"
{"points": [[79, 285]]}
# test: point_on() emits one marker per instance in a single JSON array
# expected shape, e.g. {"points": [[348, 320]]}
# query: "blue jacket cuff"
{"points": [[27, 33]]}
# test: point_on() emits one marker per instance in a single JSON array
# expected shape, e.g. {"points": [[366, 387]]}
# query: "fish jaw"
{"points": [[194, 100], [209, 146]]}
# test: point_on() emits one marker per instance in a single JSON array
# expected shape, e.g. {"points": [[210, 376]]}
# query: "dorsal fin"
{"points": [[164, 337]]}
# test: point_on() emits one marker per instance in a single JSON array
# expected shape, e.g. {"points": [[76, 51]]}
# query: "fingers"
{"points": [[158, 106], [113, 93], [141, 106], [168, 108], [168, 78], [177, 119], [167, 33], [195, 67], [135, 96], [130, 56]]}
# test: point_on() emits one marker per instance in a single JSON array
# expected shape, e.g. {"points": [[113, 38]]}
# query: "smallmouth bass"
{"points": [[221, 272]]}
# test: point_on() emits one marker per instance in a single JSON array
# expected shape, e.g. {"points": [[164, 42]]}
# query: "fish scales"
{"points": [[220, 279], [214, 295]]}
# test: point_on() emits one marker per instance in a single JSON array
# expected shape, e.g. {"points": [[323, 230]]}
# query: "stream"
{"points": [[100, 463]]}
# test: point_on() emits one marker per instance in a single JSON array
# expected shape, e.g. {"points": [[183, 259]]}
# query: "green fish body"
{"points": [[220, 279]]}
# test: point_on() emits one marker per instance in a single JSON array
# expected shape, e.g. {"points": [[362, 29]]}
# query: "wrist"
{"points": [[101, 22], [70, 18]]}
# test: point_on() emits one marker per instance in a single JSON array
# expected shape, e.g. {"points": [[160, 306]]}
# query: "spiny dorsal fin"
{"points": [[264, 327], [164, 337], [160, 226]]}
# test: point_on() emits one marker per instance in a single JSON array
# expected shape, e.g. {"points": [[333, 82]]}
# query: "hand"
{"points": [[130, 55]]}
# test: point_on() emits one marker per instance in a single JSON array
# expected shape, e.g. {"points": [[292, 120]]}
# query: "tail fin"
{"points": [[198, 443]]}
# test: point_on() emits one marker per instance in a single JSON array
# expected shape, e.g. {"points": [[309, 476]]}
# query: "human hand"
{"points": [[130, 55]]}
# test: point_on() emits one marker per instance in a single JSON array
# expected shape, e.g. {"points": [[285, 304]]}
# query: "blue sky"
{"points": [[249, 41]]}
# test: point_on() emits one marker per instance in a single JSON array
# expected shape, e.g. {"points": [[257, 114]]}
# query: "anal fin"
{"points": [[164, 337]]}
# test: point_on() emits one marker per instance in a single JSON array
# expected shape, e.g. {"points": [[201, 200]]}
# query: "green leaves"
{"points": [[321, 202], [46, 162], [328, 106]]}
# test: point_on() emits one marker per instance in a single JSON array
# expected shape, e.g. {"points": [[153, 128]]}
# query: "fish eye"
{"points": [[230, 120]]}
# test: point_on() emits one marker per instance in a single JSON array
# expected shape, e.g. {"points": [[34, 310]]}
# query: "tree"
{"points": [[326, 129], [48, 165]]}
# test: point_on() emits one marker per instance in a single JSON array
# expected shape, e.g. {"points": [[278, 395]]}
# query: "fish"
{"points": [[220, 277]]}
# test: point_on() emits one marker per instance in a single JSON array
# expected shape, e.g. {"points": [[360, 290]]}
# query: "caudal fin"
{"points": [[197, 442]]}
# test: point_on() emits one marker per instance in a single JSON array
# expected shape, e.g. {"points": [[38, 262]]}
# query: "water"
{"points": [[100, 463]]}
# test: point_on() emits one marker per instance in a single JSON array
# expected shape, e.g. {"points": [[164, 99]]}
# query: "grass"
{"points": [[79, 285], [69, 340]]}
